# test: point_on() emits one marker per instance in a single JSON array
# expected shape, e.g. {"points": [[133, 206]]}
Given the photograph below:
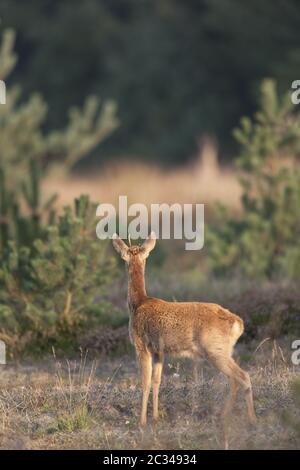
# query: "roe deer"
{"points": [[188, 329]]}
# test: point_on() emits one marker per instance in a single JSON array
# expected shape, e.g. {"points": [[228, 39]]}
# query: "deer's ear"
{"points": [[149, 244], [120, 247]]}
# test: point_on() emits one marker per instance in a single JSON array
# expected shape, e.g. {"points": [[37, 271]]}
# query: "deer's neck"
{"points": [[136, 285]]}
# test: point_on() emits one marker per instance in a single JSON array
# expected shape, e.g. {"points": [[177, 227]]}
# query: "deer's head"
{"points": [[136, 253]]}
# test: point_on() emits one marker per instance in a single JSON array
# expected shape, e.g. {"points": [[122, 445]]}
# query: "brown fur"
{"points": [[190, 329]]}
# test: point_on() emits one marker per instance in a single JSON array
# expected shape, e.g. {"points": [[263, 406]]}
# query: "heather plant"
{"points": [[289, 419], [264, 240]]}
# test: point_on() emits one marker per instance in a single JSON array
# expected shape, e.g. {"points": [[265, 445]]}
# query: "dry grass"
{"points": [[74, 406], [203, 181]]}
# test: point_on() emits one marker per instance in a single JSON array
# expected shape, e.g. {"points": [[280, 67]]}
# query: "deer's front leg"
{"points": [[157, 370], [145, 360]]}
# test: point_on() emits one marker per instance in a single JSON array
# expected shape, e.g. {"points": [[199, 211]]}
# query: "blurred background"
{"points": [[176, 70], [172, 80], [162, 101]]}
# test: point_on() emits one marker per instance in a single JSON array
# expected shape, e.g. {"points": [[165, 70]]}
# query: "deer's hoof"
{"points": [[142, 424], [253, 420]]}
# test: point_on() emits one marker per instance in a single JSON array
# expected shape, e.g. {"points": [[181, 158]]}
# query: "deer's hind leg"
{"points": [[236, 376], [229, 367], [228, 408]]}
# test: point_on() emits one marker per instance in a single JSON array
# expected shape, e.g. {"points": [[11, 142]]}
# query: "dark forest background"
{"points": [[195, 107], [177, 69]]}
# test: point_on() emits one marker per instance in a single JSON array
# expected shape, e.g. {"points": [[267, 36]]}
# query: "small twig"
{"points": [[68, 303], [260, 344], [282, 355]]}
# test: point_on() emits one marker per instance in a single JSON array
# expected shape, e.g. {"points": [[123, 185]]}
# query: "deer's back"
{"points": [[184, 328]]}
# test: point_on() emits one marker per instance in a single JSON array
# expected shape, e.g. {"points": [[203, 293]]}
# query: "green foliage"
{"points": [[264, 241], [52, 269], [22, 210], [23, 138], [48, 291], [78, 420]]}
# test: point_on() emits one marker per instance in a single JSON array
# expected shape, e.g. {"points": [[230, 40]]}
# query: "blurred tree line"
{"points": [[176, 69]]}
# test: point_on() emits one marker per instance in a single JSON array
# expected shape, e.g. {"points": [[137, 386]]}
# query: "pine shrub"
{"points": [[264, 241]]}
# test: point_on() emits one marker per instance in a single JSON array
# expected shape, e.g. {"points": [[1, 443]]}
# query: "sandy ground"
{"points": [[88, 405]]}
